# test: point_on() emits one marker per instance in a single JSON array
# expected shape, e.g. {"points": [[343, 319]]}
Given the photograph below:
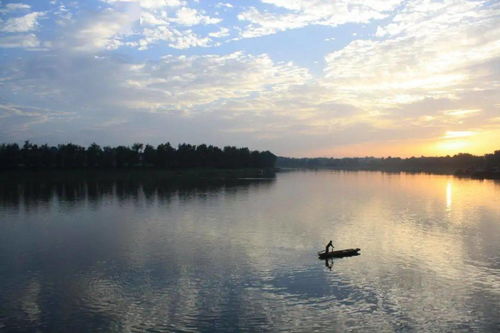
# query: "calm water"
{"points": [[134, 257]]}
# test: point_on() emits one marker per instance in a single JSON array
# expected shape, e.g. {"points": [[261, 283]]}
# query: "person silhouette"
{"points": [[328, 246]]}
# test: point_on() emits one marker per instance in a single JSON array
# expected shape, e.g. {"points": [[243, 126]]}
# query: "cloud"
{"points": [[191, 82], [457, 134], [301, 13], [63, 15], [17, 120], [214, 93], [430, 68], [148, 18], [105, 30], [12, 7], [178, 39], [415, 64], [149, 4], [173, 84], [24, 23], [268, 23], [28, 41], [139, 24], [222, 32], [190, 16], [223, 5]]}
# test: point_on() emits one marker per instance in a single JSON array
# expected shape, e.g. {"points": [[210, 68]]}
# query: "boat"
{"points": [[339, 253]]}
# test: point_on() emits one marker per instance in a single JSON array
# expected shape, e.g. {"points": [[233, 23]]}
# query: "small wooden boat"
{"points": [[339, 254]]}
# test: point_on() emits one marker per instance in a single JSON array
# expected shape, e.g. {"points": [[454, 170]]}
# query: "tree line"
{"points": [[72, 156], [460, 163]]}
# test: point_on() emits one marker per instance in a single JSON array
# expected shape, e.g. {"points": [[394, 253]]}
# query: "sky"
{"points": [[300, 78]]}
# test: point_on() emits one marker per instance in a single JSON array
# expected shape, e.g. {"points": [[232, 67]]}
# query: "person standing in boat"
{"points": [[328, 246]]}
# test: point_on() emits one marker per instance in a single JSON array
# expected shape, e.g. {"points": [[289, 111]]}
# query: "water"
{"points": [[241, 256]]}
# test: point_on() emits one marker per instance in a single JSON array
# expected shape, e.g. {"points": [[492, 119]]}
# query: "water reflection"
{"points": [[329, 263], [449, 198], [40, 193], [128, 255]]}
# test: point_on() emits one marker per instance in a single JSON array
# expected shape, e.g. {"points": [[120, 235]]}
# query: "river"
{"points": [[128, 256]]}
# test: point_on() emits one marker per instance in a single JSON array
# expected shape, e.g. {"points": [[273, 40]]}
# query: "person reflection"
{"points": [[329, 263]]}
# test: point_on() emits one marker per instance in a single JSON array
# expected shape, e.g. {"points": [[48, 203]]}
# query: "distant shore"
{"points": [[462, 165]]}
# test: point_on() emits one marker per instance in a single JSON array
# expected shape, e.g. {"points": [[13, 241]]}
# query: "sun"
{"points": [[473, 142], [453, 146]]}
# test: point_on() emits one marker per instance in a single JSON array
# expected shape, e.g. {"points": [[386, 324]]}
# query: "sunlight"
{"points": [[449, 198], [461, 113], [452, 146], [457, 134], [454, 142]]}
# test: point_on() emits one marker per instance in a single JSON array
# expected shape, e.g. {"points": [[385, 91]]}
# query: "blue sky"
{"points": [[297, 77]]}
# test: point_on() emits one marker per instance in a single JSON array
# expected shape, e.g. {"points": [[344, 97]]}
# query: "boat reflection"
{"points": [[329, 261]]}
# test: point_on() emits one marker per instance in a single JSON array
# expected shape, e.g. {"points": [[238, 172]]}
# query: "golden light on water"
{"points": [[449, 197]]}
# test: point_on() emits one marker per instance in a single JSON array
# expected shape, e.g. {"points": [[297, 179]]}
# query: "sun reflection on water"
{"points": [[449, 196]]}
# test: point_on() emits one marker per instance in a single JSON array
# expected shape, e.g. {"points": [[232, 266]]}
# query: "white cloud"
{"points": [[301, 13], [428, 55], [174, 82], [187, 39], [268, 23], [223, 5], [11, 7], [190, 16], [24, 23], [150, 4], [103, 31], [428, 17], [326, 8], [148, 18], [180, 82], [174, 38], [28, 41], [140, 24], [63, 15], [222, 32]]}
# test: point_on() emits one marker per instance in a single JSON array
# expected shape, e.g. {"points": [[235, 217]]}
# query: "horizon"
{"points": [[175, 146], [302, 79]]}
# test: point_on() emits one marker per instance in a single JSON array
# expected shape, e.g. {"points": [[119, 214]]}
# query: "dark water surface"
{"points": [[90, 256]]}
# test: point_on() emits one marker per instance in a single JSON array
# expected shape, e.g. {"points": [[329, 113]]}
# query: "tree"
{"points": [[94, 156], [137, 148], [149, 156]]}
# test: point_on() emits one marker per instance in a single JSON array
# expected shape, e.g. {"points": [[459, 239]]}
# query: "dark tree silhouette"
{"points": [[71, 156], [94, 156]]}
